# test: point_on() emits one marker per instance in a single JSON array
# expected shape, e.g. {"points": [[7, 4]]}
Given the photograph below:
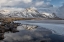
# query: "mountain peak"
{"points": [[31, 10], [48, 15], [5, 12]]}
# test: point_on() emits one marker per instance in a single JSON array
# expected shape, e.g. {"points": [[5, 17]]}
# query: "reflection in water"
{"points": [[27, 35], [41, 34], [55, 28], [56, 38]]}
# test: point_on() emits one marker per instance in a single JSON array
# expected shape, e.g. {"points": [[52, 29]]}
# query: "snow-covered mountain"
{"points": [[5, 12], [28, 13], [49, 15]]}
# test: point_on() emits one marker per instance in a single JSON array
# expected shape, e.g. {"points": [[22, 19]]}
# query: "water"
{"points": [[54, 27], [51, 30]]}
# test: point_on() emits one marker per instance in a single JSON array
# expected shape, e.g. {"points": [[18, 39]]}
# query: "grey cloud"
{"points": [[45, 6], [23, 4], [61, 12]]}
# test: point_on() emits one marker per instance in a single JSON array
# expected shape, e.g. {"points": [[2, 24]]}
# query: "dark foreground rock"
{"points": [[6, 27]]}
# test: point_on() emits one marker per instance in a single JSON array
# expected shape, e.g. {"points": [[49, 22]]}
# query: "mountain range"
{"points": [[28, 13]]}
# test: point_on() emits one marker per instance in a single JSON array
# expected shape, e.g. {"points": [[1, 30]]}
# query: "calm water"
{"points": [[53, 26], [52, 31]]}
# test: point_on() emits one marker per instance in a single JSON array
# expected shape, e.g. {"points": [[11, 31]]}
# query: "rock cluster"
{"points": [[6, 27]]}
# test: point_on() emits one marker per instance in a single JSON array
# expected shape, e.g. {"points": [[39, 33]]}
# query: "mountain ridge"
{"points": [[29, 13]]}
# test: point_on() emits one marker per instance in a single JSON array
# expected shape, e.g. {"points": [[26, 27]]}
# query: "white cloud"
{"points": [[13, 2], [39, 3], [27, 1], [8, 2], [13, 9], [23, 3], [3, 1]]}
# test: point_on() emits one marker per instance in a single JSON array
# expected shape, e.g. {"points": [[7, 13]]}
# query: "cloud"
{"points": [[39, 3], [13, 9], [61, 12], [48, 3], [42, 4], [27, 1], [24, 3], [9, 3]]}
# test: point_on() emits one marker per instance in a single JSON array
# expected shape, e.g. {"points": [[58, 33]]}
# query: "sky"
{"points": [[57, 3], [56, 6], [30, 3]]}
